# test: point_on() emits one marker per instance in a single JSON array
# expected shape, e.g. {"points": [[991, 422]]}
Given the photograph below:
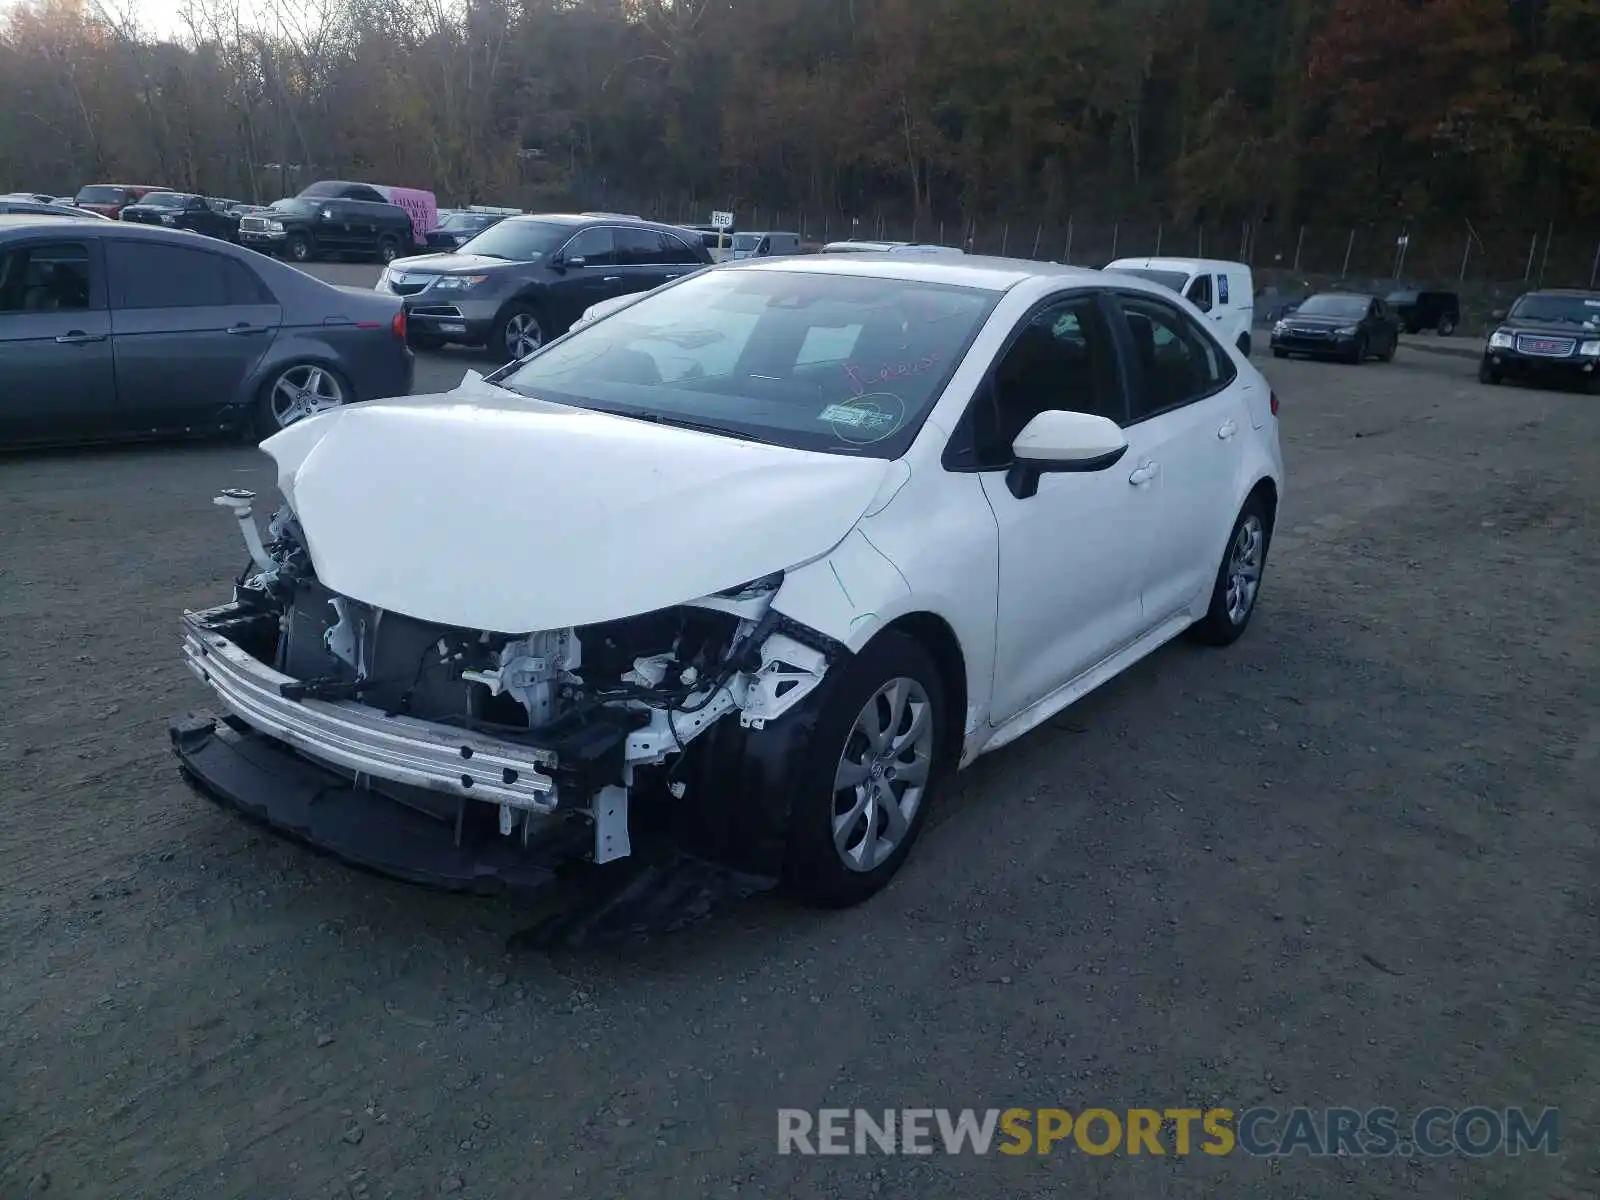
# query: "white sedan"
{"points": [[753, 564]]}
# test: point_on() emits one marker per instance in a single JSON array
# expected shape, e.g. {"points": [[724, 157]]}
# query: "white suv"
{"points": [[765, 556]]}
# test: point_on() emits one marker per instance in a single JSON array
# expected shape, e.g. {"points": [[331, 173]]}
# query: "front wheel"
{"points": [[294, 393], [1244, 344], [1389, 351], [519, 333], [1238, 581], [1277, 353], [388, 250], [297, 247], [1487, 374], [1447, 326], [1359, 356], [865, 775]]}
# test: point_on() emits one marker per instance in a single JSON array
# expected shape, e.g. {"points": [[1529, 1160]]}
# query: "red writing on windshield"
{"points": [[866, 380]]}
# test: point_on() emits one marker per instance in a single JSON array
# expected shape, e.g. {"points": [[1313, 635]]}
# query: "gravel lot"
{"points": [[1352, 860]]}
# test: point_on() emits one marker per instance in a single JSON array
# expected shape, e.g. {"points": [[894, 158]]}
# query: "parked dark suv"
{"points": [[180, 210], [1426, 310], [525, 280], [307, 228], [1551, 336]]}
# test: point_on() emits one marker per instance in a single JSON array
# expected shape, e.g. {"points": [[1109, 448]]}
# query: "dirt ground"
{"points": [[1350, 861]]}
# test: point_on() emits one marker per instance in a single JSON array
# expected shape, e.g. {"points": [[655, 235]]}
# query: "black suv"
{"points": [[307, 228], [1426, 310], [525, 280], [181, 210], [1552, 335]]}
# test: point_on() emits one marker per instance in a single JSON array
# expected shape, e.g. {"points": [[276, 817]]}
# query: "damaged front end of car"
{"points": [[466, 758]]}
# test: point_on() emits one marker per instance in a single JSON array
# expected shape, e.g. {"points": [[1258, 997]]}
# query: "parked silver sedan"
{"points": [[111, 330]]}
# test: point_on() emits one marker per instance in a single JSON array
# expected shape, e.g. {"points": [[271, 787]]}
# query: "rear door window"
{"points": [[639, 248]]}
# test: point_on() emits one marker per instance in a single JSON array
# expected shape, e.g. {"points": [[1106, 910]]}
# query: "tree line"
{"points": [[1275, 112]]}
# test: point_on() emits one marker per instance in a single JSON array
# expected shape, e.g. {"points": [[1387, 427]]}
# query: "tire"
{"points": [[1226, 617], [1447, 326], [1389, 352], [297, 248], [1359, 355], [388, 250], [276, 409], [1276, 353], [425, 342], [1244, 344], [517, 325], [1487, 374], [818, 869]]}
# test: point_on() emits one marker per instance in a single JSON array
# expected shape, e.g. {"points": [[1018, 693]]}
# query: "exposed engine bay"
{"points": [[521, 729]]}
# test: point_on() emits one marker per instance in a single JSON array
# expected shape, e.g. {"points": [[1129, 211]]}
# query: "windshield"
{"points": [[835, 363], [1174, 280], [1561, 310], [519, 241], [101, 195], [746, 241], [164, 200], [294, 205], [1334, 306], [464, 221]]}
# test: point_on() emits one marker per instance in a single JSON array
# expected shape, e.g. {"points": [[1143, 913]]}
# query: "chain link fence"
{"points": [[1461, 255]]}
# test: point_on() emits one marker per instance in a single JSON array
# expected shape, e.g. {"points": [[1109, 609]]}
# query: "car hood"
{"points": [[1296, 321], [442, 264], [1555, 329], [488, 511]]}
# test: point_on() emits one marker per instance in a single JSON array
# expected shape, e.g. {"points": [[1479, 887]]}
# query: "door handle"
{"points": [[77, 337], [1143, 474], [612, 279], [243, 328], [1228, 430]]}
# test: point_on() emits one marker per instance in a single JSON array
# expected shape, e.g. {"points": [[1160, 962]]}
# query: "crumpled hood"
{"points": [[482, 510]]}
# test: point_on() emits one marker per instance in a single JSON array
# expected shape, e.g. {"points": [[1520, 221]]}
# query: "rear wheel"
{"points": [[1447, 326], [296, 392], [1238, 581], [388, 249]]}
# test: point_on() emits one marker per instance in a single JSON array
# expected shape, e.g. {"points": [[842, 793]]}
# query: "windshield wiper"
{"points": [[656, 418]]}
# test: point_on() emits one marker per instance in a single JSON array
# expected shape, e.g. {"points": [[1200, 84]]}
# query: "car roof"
{"points": [[10, 221], [1578, 293], [958, 270], [1345, 294], [1178, 264]]}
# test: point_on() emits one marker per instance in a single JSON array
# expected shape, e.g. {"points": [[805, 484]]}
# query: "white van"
{"points": [[1224, 291]]}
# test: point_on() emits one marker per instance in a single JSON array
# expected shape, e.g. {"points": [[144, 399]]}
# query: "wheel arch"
{"points": [[1266, 490]]}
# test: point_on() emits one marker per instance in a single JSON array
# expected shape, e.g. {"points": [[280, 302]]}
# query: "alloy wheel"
{"points": [[1244, 568], [882, 774], [304, 391], [522, 334]]}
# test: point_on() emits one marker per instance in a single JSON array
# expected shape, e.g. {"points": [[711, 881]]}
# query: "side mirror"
{"points": [[1498, 314], [578, 262], [1057, 442]]}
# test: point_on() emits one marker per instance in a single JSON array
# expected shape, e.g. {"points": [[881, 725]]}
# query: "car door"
{"points": [[1387, 326], [1202, 293], [188, 326], [1068, 586], [587, 273], [56, 377], [1187, 416], [641, 259]]}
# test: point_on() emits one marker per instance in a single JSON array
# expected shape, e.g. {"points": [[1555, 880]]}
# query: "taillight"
{"points": [[398, 328], [1274, 396]]}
